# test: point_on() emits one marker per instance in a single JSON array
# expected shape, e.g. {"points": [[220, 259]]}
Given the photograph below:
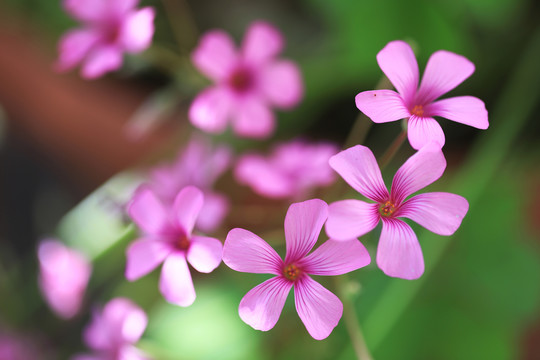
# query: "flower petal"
{"points": [[281, 83], [175, 283], [253, 118], [246, 252], [137, 30], [422, 130], [349, 219], [147, 212], [74, 46], [215, 55], [187, 206], [382, 105], [204, 253], [318, 308], [467, 110], [420, 170], [358, 167], [214, 210], [303, 224], [438, 212], [210, 110], [262, 42], [398, 63], [144, 255], [262, 177], [336, 258], [261, 306], [100, 61], [444, 71], [399, 253], [86, 10], [121, 7]]}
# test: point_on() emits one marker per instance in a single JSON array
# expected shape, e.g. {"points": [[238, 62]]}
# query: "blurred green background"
{"points": [[480, 295]]}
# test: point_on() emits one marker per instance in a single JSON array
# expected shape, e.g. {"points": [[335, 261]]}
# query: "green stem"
{"points": [[182, 23], [393, 149]]}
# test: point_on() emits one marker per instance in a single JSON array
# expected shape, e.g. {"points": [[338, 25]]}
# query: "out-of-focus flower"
{"points": [[110, 28], [167, 237], [291, 170], [198, 164], [399, 253], [63, 277], [13, 347], [113, 331], [318, 308], [247, 82], [444, 71]]}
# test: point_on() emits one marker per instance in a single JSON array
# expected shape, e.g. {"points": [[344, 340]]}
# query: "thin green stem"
{"points": [[182, 23], [393, 149]]}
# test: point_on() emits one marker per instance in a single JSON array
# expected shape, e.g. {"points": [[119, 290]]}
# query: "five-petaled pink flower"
{"points": [[398, 253], [110, 28], [63, 277], [444, 71], [113, 331], [291, 170], [167, 237], [247, 83], [198, 164], [318, 308]]}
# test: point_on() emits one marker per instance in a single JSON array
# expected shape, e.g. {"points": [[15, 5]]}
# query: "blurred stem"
{"points": [[182, 23], [393, 149]]}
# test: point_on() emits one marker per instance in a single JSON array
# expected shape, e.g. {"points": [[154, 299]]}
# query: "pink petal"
{"points": [[438, 212], [147, 212], [422, 130], [262, 42], [261, 306], [187, 206], [144, 255], [128, 352], [74, 46], [398, 63], [262, 177], [175, 283], [382, 105], [214, 210], [318, 308], [336, 258], [303, 224], [100, 61], [358, 167], [204, 253], [121, 7], [137, 30], [210, 110], [420, 170], [253, 118], [215, 55], [467, 110], [86, 357], [350, 219], [444, 71], [282, 84], [87, 10], [399, 253], [246, 252]]}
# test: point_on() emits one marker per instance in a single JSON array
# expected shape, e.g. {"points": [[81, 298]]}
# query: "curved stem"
{"points": [[393, 149]]}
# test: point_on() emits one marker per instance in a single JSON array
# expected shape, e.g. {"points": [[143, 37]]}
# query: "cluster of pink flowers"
{"points": [[179, 202]]}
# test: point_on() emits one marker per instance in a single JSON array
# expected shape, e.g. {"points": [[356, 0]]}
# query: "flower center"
{"points": [[418, 110], [292, 272], [182, 242], [241, 80], [386, 209]]}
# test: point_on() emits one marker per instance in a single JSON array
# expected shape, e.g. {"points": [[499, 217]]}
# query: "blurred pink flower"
{"points": [[167, 237], [444, 71], [198, 164], [14, 347], [247, 82], [291, 170], [318, 308], [113, 331], [63, 277], [110, 28], [399, 253]]}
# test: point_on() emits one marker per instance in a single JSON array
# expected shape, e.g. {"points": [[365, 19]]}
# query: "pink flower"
{"points": [[200, 165], [247, 82], [113, 331], [292, 169], [15, 347], [318, 308], [398, 253], [110, 28], [444, 71], [167, 237], [63, 277]]}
